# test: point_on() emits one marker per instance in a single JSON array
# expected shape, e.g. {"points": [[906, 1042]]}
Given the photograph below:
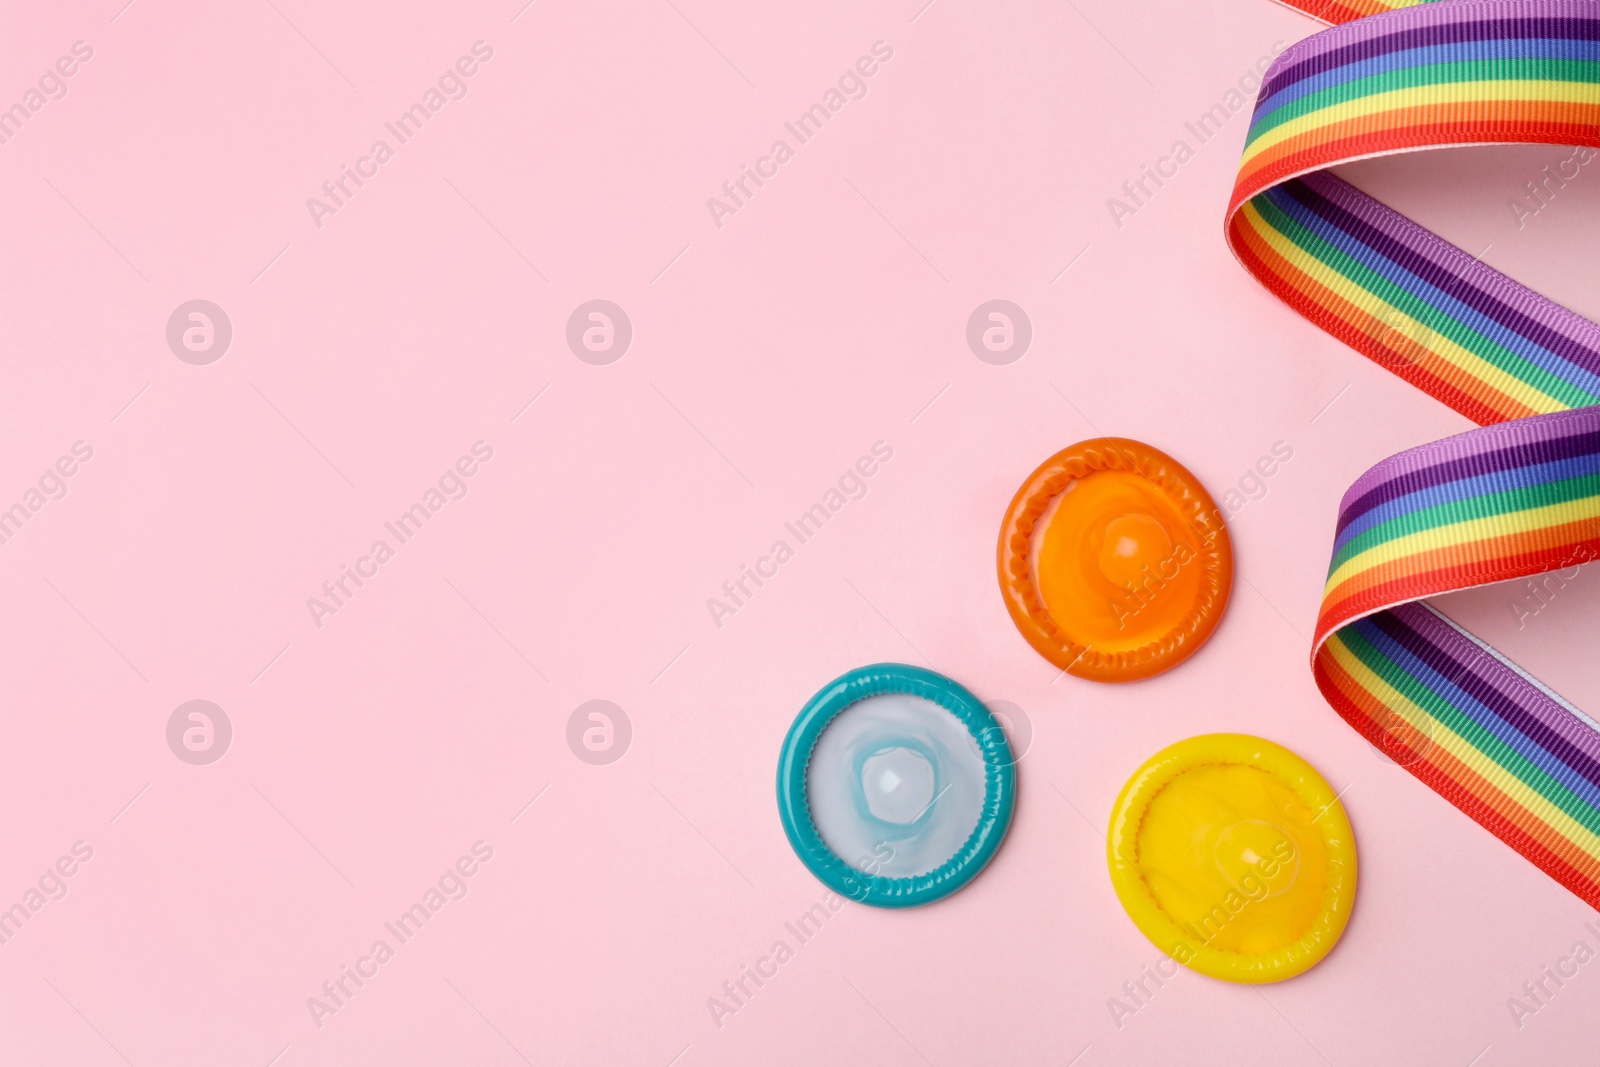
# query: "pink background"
{"points": [[768, 354]]}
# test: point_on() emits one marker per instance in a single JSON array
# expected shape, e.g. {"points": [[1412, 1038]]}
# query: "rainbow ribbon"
{"points": [[1518, 497]]}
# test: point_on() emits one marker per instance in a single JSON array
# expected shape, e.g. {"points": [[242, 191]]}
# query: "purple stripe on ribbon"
{"points": [[1402, 241], [1430, 24], [1488, 681], [1442, 462]]}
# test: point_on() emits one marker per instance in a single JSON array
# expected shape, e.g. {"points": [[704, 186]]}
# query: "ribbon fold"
{"points": [[1521, 495]]}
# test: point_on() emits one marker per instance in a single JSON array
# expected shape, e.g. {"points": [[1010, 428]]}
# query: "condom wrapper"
{"points": [[1114, 561], [1234, 857], [895, 785]]}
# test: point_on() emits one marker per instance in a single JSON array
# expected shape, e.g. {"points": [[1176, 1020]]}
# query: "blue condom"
{"points": [[895, 785]]}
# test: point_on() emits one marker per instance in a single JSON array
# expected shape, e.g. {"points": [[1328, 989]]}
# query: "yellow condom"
{"points": [[1234, 857]]}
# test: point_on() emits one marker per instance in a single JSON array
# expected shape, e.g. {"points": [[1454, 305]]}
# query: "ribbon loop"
{"points": [[1517, 497]]}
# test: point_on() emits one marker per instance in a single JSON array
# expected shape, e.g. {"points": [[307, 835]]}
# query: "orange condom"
{"points": [[1114, 562]]}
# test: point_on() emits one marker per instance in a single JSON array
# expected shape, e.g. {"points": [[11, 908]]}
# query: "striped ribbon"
{"points": [[1518, 497]]}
